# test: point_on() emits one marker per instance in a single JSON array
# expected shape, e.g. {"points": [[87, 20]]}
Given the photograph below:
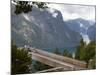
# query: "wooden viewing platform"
{"points": [[55, 60]]}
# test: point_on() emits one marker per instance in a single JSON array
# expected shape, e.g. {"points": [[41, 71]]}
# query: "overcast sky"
{"points": [[75, 11]]}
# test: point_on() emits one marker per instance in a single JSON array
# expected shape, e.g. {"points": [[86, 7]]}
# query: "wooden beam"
{"points": [[56, 60], [52, 69]]}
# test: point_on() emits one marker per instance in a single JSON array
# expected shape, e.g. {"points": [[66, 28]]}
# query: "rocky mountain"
{"points": [[83, 27], [42, 28], [92, 32]]}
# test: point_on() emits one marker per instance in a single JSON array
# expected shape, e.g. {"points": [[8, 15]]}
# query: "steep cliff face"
{"points": [[42, 29]]}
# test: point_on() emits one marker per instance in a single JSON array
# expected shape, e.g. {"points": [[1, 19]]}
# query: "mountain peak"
{"points": [[43, 29], [81, 26]]}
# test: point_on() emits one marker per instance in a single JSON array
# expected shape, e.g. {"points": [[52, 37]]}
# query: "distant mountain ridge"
{"points": [[82, 26]]}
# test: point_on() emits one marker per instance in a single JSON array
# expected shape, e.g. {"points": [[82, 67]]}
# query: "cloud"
{"points": [[75, 11]]}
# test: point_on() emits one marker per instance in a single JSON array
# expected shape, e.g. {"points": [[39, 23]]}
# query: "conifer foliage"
{"points": [[26, 6], [20, 60]]}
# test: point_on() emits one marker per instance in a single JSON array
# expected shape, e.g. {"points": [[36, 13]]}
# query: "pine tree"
{"points": [[89, 52], [20, 60], [79, 50], [86, 52]]}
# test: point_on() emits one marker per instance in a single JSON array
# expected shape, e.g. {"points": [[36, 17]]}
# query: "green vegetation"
{"points": [[87, 53], [20, 60], [25, 6], [79, 50]]}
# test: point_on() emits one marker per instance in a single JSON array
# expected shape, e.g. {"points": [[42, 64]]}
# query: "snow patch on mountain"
{"points": [[83, 27]]}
